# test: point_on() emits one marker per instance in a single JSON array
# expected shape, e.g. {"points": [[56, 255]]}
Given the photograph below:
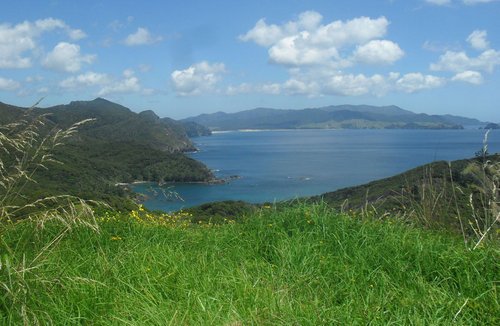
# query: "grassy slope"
{"points": [[304, 265], [442, 185]]}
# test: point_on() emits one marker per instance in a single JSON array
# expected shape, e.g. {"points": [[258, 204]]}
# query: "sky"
{"points": [[184, 58]]}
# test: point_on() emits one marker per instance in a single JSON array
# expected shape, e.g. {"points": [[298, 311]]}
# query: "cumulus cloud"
{"points": [[460, 61], [142, 37], [128, 84], [240, 89], [66, 57], [306, 41], [105, 83], [477, 39], [263, 34], [76, 34], [378, 52], [8, 84], [18, 42], [321, 82], [197, 79], [87, 79], [472, 77], [414, 82]]}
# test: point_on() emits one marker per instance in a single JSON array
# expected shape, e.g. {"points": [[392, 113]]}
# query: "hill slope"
{"points": [[118, 146], [341, 116], [435, 194]]}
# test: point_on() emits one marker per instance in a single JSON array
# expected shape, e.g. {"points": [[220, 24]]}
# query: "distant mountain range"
{"points": [[119, 146], [335, 117]]}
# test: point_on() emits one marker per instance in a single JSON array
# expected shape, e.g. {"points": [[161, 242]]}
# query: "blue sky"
{"points": [[183, 58]]}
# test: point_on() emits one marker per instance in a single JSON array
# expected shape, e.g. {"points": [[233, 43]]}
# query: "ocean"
{"points": [[286, 164]]}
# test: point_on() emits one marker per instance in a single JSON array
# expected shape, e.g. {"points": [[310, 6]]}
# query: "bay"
{"points": [[285, 164]]}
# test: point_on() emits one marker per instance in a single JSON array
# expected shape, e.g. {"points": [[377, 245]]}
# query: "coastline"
{"points": [[214, 181]]}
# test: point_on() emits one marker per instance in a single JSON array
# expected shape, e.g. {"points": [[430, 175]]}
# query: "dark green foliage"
{"points": [[439, 192], [492, 126], [223, 211], [118, 146], [114, 122], [194, 129], [9, 113]]}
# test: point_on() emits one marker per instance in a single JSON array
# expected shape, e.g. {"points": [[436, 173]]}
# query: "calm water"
{"points": [[277, 165]]}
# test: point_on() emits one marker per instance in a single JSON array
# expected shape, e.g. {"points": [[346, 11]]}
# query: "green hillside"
{"points": [[436, 194], [340, 117], [117, 146], [114, 122]]}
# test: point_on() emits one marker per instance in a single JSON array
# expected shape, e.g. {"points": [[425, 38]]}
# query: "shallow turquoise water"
{"points": [[277, 165]]}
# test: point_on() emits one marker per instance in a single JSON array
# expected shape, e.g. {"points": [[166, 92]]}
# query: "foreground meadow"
{"points": [[304, 265]]}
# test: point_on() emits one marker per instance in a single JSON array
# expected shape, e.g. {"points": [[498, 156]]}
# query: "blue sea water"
{"points": [[278, 165]]}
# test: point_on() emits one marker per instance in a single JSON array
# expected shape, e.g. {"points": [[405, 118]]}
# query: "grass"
{"points": [[304, 264]]}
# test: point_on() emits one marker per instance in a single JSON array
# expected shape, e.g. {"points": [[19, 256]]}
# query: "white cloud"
{"points": [[88, 79], [439, 2], [460, 61], [66, 57], [414, 82], [240, 89], [323, 81], [43, 90], [305, 41], [142, 37], [301, 87], [472, 77], [296, 50], [18, 42], [128, 84], [245, 88], [320, 82], [77, 34], [263, 34], [8, 84], [355, 85], [378, 52], [473, 2], [270, 88], [197, 79], [127, 73], [477, 39], [449, 2]]}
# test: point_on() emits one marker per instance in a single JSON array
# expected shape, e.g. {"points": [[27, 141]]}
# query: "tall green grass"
{"points": [[301, 265]]}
